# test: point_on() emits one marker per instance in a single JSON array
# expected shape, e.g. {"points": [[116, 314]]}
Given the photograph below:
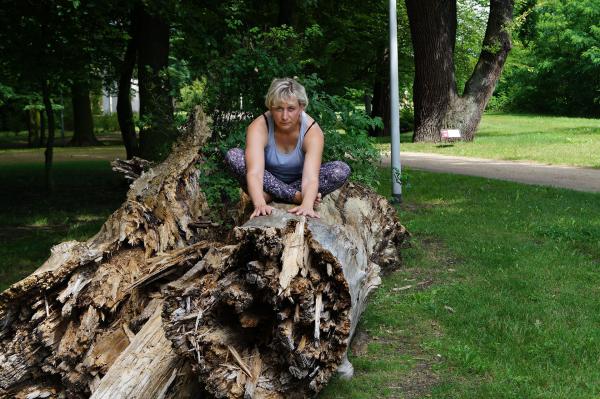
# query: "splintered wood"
{"points": [[290, 291], [261, 333]]}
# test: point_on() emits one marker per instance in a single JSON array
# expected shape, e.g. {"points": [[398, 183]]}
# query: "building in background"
{"points": [[109, 101]]}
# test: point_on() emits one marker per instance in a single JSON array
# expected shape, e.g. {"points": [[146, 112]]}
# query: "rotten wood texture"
{"points": [[272, 316], [63, 327]]}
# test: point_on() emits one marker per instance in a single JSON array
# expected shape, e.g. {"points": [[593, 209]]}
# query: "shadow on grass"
{"points": [[32, 219]]}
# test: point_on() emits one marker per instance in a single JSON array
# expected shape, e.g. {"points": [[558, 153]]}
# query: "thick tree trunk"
{"points": [[33, 124], [273, 315], [147, 304], [156, 107], [381, 95], [438, 104], [49, 152], [124, 111], [42, 129], [286, 12], [83, 122]]}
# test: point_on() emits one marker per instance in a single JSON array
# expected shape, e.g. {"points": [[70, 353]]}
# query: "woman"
{"points": [[283, 155]]}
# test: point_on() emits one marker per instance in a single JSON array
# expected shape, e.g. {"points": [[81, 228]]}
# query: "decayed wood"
{"points": [[64, 326], [148, 350], [289, 293]]}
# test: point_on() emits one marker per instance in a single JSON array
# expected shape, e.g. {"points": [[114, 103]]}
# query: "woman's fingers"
{"points": [[301, 211], [262, 210]]}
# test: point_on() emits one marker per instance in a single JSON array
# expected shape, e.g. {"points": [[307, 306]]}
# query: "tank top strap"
{"points": [[303, 130]]}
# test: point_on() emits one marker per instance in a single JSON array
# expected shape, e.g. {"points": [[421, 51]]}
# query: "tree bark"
{"points": [[381, 95], [271, 312], [156, 107], [49, 152], [83, 122], [438, 104], [286, 12], [124, 111], [42, 129]]}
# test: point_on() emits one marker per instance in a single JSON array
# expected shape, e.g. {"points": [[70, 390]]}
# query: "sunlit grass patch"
{"points": [[543, 139]]}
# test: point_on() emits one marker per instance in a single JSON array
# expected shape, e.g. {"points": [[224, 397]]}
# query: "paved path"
{"points": [[574, 178]]}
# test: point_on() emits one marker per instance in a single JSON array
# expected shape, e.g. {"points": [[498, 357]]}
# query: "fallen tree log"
{"points": [[80, 325], [272, 316], [63, 327]]}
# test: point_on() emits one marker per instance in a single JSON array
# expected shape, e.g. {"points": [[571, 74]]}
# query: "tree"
{"points": [[83, 122], [555, 68], [438, 103]]}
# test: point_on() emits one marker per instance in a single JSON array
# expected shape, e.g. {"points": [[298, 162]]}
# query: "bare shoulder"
{"points": [[258, 123], [257, 131]]}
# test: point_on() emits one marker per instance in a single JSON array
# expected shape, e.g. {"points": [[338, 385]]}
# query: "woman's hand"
{"points": [[261, 210], [304, 210]]}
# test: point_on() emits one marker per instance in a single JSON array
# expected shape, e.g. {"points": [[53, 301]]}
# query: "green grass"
{"points": [[14, 140], [544, 139], [33, 220], [508, 301]]}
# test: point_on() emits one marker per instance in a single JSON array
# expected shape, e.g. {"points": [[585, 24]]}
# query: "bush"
{"points": [[106, 123]]}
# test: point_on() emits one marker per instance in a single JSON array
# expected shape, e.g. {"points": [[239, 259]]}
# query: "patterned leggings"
{"points": [[332, 176]]}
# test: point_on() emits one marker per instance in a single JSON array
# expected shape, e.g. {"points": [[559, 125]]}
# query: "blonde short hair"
{"points": [[285, 89]]}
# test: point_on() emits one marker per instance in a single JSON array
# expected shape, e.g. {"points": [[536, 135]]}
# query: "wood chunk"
{"points": [[293, 254], [318, 309], [255, 368]]}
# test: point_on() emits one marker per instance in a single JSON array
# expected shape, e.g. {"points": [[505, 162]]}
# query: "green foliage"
{"points": [[345, 128], [555, 67], [107, 123]]}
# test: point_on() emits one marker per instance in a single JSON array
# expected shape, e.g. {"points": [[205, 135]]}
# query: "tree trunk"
{"points": [[438, 104], [273, 315], [49, 152], [124, 111], [83, 122], [381, 95], [33, 124], [279, 305], [42, 129], [286, 12], [156, 108]]}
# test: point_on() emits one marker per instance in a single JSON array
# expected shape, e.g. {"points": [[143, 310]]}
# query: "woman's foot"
{"points": [[298, 198]]}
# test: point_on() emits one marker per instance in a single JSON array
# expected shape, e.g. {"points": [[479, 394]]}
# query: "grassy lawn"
{"points": [[498, 296], [32, 220], [544, 139]]}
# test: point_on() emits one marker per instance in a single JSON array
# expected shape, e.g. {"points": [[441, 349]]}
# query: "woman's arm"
{"points": [[313, 148], [256, 140]]}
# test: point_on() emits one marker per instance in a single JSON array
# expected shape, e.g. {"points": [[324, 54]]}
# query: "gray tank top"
{"points": [[287, 167]]}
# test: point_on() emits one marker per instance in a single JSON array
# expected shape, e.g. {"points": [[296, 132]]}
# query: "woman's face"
{"points": [[286, 113]]}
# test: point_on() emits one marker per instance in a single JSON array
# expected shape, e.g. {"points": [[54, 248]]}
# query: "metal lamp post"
{"points": [[395, 106]]}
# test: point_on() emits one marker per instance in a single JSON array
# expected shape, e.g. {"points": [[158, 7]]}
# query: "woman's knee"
{"points": [[340, 170], [233, 155], [234, 158]]}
